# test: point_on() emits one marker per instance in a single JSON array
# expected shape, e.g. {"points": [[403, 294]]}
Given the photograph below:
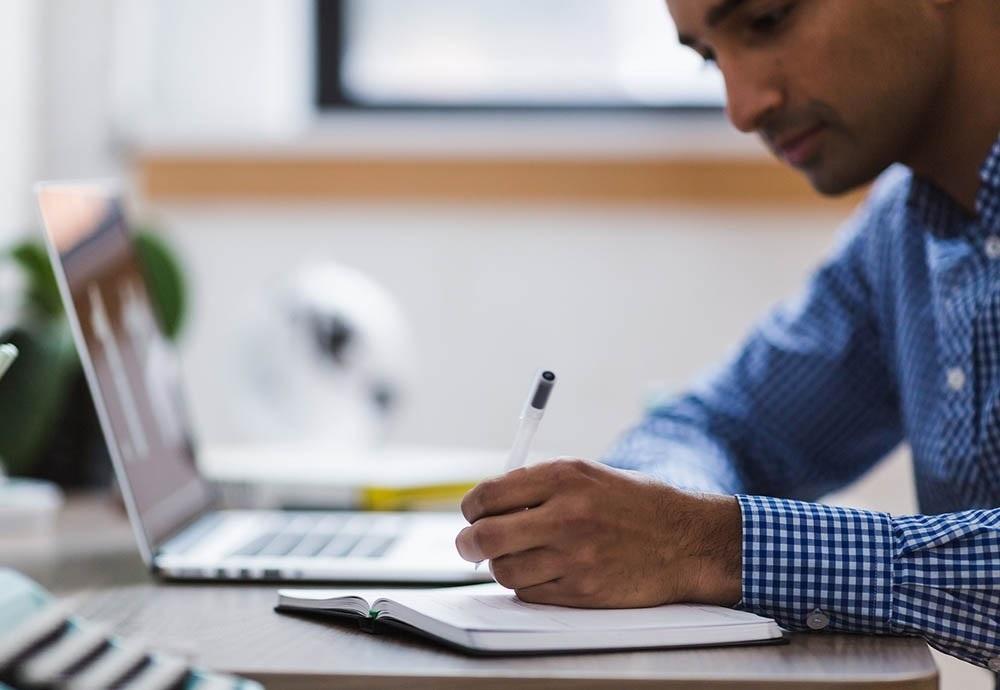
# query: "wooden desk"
{"points": [[233, 628]]}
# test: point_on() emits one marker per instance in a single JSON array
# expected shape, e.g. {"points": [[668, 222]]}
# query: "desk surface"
{"points": [[233, 628]]}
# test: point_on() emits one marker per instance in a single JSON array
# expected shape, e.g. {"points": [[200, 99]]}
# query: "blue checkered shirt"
{"points": [[896, 337]]}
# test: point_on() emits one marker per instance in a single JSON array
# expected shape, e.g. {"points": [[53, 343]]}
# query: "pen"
{"points": [[531, 415]]}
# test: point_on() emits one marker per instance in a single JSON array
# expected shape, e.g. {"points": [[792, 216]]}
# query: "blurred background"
{"points": [[546, 185], [515, 185]]}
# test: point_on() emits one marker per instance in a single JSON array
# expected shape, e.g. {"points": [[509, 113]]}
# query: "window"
{"points": [[492, 54]]}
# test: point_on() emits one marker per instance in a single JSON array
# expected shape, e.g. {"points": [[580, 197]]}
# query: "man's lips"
{"points": [[798, 148]]}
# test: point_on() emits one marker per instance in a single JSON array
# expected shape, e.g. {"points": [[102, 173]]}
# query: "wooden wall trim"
{"points": [[195, 178]]}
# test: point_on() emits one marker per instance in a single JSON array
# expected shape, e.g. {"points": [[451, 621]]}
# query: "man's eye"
{"points": [[770, 21]]}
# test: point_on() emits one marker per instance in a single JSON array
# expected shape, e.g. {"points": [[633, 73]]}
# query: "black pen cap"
{"points": [[543, 387]]}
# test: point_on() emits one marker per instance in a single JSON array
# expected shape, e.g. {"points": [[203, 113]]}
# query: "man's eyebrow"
{"points": [[713, 17], [717, 14]]}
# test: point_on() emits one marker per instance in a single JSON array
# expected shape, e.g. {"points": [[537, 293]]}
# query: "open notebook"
{"points": [[490, 619]]}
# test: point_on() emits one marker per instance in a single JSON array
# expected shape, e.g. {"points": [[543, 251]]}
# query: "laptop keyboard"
{"points": [[325, 536]]}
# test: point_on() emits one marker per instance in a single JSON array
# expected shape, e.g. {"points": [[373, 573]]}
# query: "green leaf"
{"points": [[164, 280], [42, 291]]}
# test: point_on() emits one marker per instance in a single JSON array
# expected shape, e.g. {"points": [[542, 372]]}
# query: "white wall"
{"points": [[19, 110], [77, 139], [613, 299]]}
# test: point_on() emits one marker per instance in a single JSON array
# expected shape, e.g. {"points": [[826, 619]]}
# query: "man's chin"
{"points": [[836, 183]]}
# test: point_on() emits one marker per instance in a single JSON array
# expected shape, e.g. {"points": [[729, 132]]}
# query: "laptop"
{"points": [[133, 375]]}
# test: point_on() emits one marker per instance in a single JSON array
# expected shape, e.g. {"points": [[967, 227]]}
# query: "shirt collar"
{"points": [[943, 217]]}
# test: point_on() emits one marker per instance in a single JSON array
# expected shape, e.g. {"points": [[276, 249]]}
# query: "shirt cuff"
{"points": [[811, 567]]}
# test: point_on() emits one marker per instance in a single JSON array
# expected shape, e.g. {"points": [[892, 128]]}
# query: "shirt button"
{"points": [[956, 379], [817, 620], [994, 664], [992, 247]]}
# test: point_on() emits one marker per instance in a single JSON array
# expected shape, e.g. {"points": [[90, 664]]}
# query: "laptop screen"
{"points": [[131, 367]]}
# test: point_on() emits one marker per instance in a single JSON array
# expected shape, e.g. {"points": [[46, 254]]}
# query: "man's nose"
{"points": [[750, 97]]}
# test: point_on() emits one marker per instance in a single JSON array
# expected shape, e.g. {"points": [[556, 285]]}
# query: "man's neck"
{"points": [[965, 122]]}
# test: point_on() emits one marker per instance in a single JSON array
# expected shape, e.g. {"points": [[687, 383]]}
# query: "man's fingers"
{"points": [[523, 487], [518, 488], [498, 535], [552, 592], [527, 568]]}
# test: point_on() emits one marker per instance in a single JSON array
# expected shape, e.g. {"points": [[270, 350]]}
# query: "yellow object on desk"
{"points": [[431, 496]]}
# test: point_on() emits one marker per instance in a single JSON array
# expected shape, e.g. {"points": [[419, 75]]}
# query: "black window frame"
{"points": [[330, 27]]}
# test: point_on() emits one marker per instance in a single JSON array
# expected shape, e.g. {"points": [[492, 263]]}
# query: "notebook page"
{"points": [[492, 607], [330, 599]]}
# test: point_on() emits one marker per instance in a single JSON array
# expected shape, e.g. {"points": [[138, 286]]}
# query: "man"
{"points": [[896, 337]]}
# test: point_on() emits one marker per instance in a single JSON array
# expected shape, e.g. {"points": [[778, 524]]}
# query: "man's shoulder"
{"points": [[889, 192]]}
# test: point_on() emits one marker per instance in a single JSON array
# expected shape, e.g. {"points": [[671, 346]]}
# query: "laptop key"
{"points": [[340, 546], [253, 547], [311, 544], [281, 544], [373, 547], [357, 536]]}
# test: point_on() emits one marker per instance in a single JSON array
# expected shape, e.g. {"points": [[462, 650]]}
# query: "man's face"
{"points": [[839, 89]]}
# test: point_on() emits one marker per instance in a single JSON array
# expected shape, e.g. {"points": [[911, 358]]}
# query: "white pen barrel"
{"points": [[522, 440]]}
